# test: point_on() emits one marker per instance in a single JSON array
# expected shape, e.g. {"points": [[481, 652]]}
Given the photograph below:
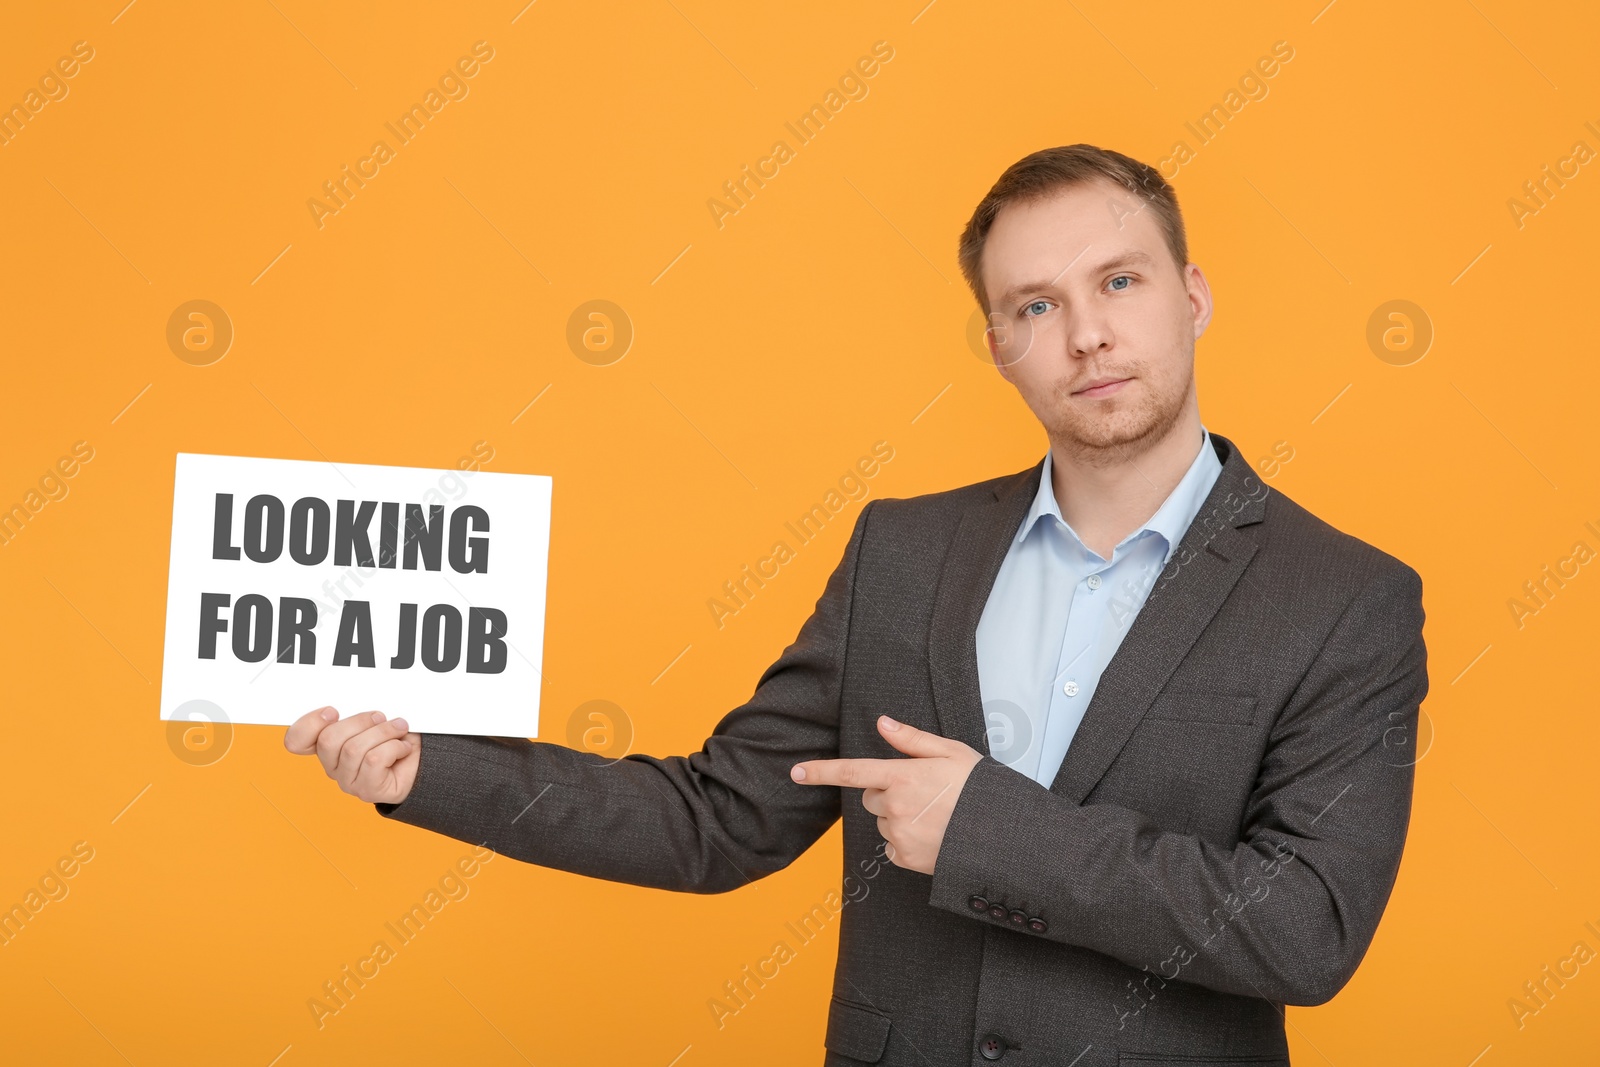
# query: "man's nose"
{"points": [[1088, 332]]}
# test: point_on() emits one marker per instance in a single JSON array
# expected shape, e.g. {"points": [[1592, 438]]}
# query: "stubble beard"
{"points": [[1125, 427]]}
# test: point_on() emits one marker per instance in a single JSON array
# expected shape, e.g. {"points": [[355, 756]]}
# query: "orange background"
{"points": [[770, 353]]}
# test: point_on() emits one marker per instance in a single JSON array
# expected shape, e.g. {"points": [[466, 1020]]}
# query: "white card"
{"points": [[416, 592]]}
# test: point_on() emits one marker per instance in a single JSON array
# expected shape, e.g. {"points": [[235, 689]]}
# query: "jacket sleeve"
{"points": [[708, 822], [1288, 912]]}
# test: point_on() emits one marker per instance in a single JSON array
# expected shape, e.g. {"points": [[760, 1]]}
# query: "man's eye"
{"points": [[1120, 278], [1038, 307]]}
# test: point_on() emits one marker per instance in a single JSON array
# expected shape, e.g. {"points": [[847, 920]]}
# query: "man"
{"points": [[1186, 804]]}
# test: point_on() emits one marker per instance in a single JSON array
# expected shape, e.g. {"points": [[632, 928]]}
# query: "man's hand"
{"points": [[912, 798], [372, 759]]}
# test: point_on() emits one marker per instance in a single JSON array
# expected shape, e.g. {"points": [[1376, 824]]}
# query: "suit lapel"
{"points": [[1211, 556], [970, 567]]}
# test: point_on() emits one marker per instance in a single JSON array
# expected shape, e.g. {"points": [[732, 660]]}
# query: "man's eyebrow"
{"points": [[1122, 259]]}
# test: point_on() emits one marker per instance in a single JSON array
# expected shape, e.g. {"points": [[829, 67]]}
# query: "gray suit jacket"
{"points": [[1220, 840]]}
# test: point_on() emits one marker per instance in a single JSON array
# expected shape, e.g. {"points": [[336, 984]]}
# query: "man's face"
{"points": [[1084, 291]]}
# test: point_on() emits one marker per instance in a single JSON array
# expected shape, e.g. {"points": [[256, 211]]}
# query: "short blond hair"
{"points": [[1050, 170]]}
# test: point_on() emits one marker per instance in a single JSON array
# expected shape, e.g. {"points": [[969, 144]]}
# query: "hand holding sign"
{"points": [[372, 758]]}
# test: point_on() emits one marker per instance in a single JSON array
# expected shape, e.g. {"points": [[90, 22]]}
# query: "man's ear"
{"points": [[1199, 292]]}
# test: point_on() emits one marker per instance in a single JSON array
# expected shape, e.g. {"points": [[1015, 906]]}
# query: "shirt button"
{"points": [[1093, 581], [1071, 688], [992, 1047]]}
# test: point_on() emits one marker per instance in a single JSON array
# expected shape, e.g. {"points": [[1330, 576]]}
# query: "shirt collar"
{"points": [[1170, 520]]}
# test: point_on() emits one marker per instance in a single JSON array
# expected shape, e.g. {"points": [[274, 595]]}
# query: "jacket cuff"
{"points": [[971, 875], [453, 784]]}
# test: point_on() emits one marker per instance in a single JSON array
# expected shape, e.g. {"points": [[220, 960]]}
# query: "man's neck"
{"points": [[1104, 502]]}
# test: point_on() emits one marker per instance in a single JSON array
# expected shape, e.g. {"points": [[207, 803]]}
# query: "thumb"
{"points": [[912, 741]]}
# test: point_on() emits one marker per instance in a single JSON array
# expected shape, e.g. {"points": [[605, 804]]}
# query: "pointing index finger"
{"points": [[852, 773]]}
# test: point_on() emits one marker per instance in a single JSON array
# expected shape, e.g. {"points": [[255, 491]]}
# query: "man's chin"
{"points": [[1113, 434]]}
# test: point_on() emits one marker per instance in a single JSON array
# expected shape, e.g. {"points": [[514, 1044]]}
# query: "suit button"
{"points": [[978, 904], [997, 911], [1018, 918], [1037, 925], [992, 1047]]}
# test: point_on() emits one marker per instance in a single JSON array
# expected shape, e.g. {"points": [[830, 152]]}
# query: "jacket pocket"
{"points": [[1238, 709], [856, 1031]]}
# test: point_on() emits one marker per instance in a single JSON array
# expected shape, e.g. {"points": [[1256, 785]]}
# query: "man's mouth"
{"points": [[1102, 387]]}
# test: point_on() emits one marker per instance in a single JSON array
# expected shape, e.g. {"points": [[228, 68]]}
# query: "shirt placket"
{"points": [[1071, 684]]}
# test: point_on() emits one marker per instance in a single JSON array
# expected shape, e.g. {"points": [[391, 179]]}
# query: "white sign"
{"points": [[416, 592]]}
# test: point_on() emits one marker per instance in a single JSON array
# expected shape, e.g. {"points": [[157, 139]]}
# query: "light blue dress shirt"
{"points": [[1057, 613]]}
